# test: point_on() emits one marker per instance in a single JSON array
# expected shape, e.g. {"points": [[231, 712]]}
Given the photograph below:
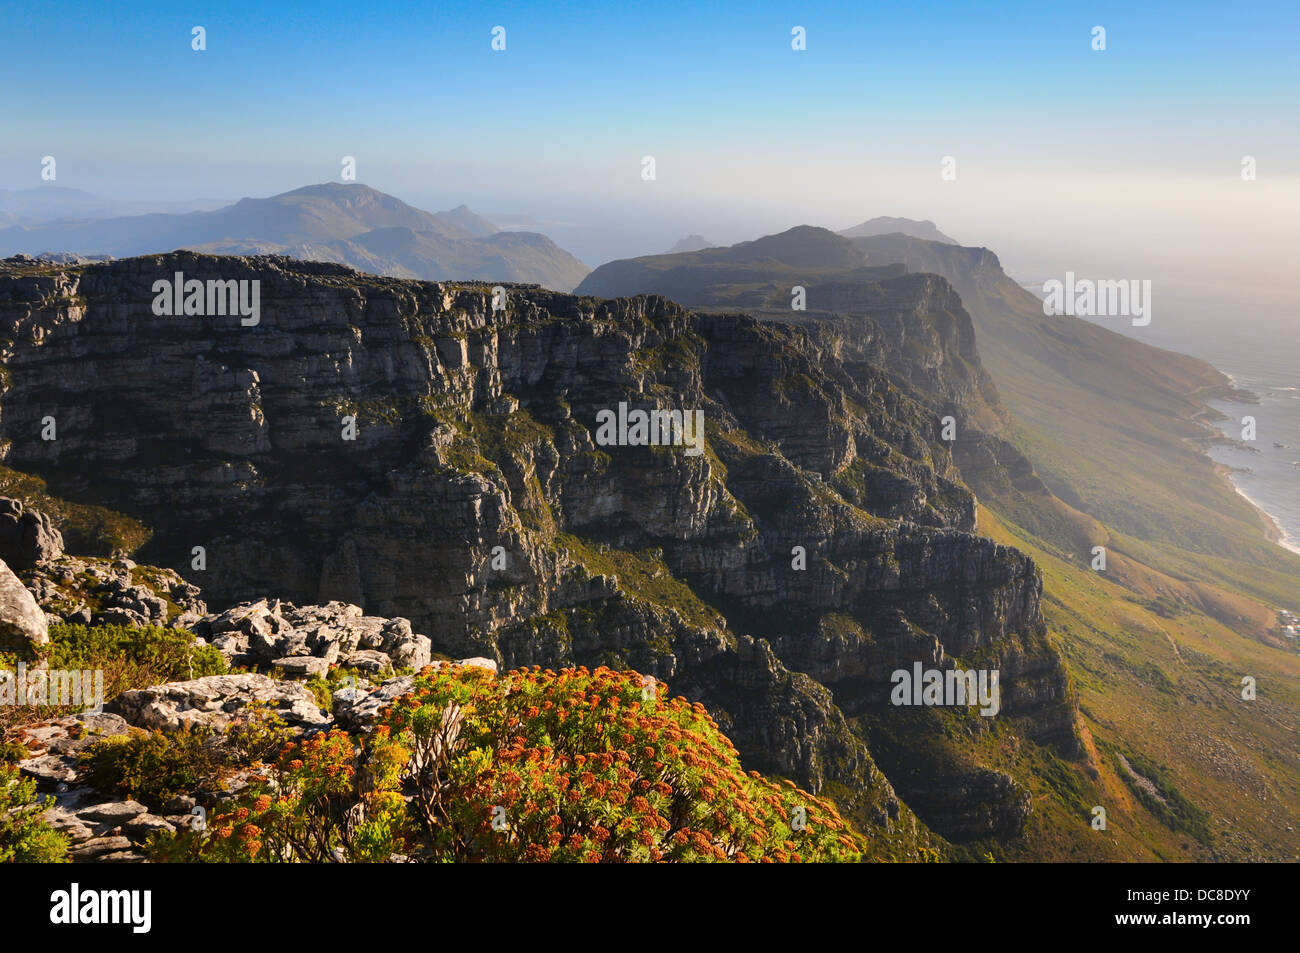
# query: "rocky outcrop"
{"points": [[99, 828], [23, 625], [407, 451], [26, 537], [91, 591], [106, 829], [308, 640], [216, 701]]}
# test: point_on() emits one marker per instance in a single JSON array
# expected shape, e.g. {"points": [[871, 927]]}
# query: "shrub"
{"points": [[153, 768], [590, 766], [530, 766], [133, 657], [302, 809], [24, 836]]}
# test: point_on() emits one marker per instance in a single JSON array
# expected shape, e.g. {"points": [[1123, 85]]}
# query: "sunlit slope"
{"points": [[1112, 427], [1161, 683]]}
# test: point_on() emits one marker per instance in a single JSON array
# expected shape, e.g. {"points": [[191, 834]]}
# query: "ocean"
{"points": [[1270, 475]]}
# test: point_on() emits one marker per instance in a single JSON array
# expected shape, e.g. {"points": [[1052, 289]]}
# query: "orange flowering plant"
{"points": [[309, 806], [581, 765], [574, 765]]}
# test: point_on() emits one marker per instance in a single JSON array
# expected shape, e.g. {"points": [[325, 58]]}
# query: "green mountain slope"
{"points": [[1114, 427]]}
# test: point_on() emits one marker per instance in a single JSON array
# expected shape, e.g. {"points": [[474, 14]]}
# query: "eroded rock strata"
{"points": [[476, 503]]}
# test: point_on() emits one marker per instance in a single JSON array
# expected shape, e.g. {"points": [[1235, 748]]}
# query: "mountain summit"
{"points": [[886, 225], [347, 223]]}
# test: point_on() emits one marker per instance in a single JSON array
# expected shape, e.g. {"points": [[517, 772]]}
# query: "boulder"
{"points": [[22, 622], [216, 701], [26, 537], [140, 827], [301, 666]]}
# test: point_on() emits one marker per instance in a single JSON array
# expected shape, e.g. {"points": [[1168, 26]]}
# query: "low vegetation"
{"points": [[533, 765]]}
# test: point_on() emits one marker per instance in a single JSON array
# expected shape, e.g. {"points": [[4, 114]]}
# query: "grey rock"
{"points": [[116, 812], [140, 827], [49, 770], [119, 615], [266, 632], [180, 804], [95, 848], [22, 623], [357, 712], [370, 660], [26, 537], [302, 666], [216, 701]]}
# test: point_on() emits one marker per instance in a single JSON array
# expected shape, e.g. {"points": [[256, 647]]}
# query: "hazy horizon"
{"points": [[1117, 163]]}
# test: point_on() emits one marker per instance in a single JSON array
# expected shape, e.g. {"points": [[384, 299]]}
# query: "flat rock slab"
{"points": [[217, 701]]}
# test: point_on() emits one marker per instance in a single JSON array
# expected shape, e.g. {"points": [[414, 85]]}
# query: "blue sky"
{"points": [[281, 83], [739, 123]]}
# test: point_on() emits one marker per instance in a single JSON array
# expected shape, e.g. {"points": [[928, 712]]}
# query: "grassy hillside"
{"points": [[1160, 688], [1098, 441], [1113, 427]]}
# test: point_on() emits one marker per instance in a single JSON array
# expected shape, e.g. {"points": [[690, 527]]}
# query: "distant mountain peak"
{"points": [[691, 243], [464, 218], [888, 225], [345, 222]]}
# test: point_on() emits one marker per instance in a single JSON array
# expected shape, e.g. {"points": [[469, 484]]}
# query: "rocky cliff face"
{"points": [[404, 447]]}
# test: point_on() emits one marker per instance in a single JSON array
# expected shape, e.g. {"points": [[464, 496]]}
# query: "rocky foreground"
{"points": [[292, 642]]}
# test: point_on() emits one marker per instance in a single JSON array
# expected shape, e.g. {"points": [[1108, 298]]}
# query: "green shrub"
{"points": [[153, 768], [132, 657], [24, 836]]}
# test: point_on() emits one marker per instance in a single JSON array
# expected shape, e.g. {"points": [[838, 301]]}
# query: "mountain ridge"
{"points": [[329, 221]]}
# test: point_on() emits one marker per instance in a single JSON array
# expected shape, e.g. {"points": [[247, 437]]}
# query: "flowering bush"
{"points": [[533, 765], [590, 766], [307, 806]]}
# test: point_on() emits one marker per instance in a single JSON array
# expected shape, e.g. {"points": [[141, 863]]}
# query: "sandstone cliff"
{"points": [[475, 501]]}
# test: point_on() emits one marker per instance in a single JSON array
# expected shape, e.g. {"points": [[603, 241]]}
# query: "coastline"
{"points": [[1272, 528]]}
